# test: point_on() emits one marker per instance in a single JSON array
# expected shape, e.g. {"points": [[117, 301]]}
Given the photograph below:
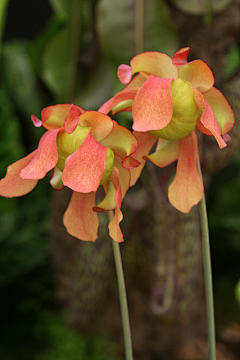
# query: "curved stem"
{"points": [[207, 274], [122, 297]]}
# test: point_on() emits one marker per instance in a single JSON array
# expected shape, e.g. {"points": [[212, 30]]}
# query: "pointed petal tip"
{"points": [[36, 122], [180, 56]]}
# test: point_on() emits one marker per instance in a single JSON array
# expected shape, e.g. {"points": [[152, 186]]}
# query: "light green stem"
{"points": [[207, 275], [122, 297]]}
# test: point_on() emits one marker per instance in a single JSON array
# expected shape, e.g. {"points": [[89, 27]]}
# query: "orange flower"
{"points": [[169, 98], [85, 149]]}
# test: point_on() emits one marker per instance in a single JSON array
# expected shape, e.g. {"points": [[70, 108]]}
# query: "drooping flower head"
{"points": [[85, 149], [169, 98]]}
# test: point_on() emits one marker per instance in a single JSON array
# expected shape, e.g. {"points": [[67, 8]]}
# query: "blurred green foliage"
{"points": [[74, 59]]}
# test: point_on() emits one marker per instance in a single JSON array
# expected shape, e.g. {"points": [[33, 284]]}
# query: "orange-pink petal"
{"points": [[79, 219], [166, 153], [221, 109], [180, 56], [45, 158], [101, 124], [152, 107], [154, 63], [124, 74], [12, 184], [145, 143], [121, 141], [72, 118], [53, 117], [106, 107], [207, 122], [85, 168], [198, 74], [114, 228], [186, 190]]}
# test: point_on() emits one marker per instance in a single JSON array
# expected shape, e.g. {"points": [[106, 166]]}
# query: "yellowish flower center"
{"points": [[185, 112]]}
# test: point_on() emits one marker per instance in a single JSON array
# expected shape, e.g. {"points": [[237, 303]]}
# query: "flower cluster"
{"points": [[168, 98]]}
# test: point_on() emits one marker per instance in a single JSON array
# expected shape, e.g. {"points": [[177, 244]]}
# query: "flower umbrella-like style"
{"points": [[169, 98], [85, 149]]}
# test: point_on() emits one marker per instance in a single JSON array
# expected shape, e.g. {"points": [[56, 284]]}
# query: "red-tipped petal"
{"points": [[79, 219], [53, 117], [128, 93], [145, 143], [180, 56], [101, 124], [186, 190], [85, 168], [166, 153], [36, 121], [154, 63], [72, 118], [221, 109], [12, 184], [152, 107], [198, 74], [208, 123], [45, 159], [124, 74]]}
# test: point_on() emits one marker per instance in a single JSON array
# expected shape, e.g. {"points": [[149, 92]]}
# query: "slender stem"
{"points": [[207, 275], [122, 297]]}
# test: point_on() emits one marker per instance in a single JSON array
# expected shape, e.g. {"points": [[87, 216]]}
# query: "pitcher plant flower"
{"points": [[85, 149], [169, 98]]}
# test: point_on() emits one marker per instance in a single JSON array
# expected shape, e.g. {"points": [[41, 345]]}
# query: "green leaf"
{"points": [[62, 8], [3, 10], [57, 64], [200, 7], [116, 23], [20, 78]]}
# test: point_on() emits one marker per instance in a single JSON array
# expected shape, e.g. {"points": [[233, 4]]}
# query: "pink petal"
{"points": [[208, 122], [186, 190], [72, 118], [12, 184], [198, 74], [154, 63], [166, 153], [128, 93], [45, 158], [36, 121], [145, 143], [180, 56], [101, 124], [124, 74], [79, 219], [85, 168], [152, 107]]}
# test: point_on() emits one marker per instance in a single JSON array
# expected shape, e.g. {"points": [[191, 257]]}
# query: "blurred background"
{"points": [[58, 295]]}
